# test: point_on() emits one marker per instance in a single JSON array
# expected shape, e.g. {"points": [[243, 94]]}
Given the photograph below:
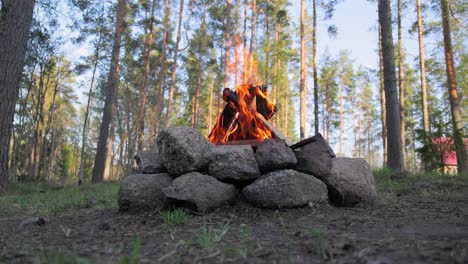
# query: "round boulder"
{"points": [[285, 189], [199, 192], [351, 183], [233, 163], [143, 192], [149, 161], [182, 149], [274, 155]]}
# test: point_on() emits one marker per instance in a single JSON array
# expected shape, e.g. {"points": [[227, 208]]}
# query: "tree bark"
{"points": [[16, 17], [144, 87], [401, 88], [227, 43], [303, 88], [267, 33], [422, 66], [88, 105], [395, 157], [111, 88], [457, 124], [314, 66], [174, 66], [201, 53], [383, 109], [161, 85]]}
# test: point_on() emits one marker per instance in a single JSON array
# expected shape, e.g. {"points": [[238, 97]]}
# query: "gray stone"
{"points": [[351, 183], [143, 192], [315, 158], [149, 161], [233, 163], [183, 149], [199, 192], [285, 189], [274, 155]]}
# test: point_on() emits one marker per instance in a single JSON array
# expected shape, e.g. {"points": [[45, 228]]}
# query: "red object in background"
{"points": [[445, 146]]}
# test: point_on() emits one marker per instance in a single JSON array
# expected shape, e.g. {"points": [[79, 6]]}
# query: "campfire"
{"points": [[244, 118]]}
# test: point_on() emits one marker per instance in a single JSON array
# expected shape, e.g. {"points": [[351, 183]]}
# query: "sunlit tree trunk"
{"points": [[111, 88], [227, 43], [88, 105], [174, 66], [162, 72], [201, 48], [383, 110], [341, 88], [395, 157], [457, 124], [422, 66], [303, 89], [144, 87], [314, 66], [401, 88], [267, 35]]}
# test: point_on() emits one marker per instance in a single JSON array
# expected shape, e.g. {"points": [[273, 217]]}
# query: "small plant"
{"points": [[211, 236], [318, 237], [174, 217], [134, 256]]}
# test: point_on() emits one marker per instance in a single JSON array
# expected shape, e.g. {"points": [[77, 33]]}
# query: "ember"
{"points": [[244, 116]]}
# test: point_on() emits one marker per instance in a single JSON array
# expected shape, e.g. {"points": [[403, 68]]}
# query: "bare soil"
{"points": [[425, 223]]}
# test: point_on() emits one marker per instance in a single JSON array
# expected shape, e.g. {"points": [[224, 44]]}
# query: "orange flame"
{"points": [[240, 119]]}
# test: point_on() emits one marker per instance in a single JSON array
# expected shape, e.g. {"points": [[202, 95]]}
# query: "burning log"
{"points": [[239, 119], [262, 104]]}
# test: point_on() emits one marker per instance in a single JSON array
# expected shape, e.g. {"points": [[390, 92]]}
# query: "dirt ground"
{"points": [[425, 223]]}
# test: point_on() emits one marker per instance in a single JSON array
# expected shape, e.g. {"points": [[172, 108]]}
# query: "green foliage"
{"points": [[134, 256], [45, 199], [318, 237], [210, 236], [174, 217]]}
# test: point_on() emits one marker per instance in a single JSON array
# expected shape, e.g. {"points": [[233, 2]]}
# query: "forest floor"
{"points": [[418, 219]]}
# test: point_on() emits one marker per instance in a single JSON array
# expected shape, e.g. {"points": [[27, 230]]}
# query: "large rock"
{"points": [[149, 161], [143, 192], [199, 192], [351, 183], [315, 158], [285, 189], [274, 155], [182, 149], [233, 163]]}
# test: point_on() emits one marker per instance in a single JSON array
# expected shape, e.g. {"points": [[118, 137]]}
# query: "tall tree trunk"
{"points": [[341, 87], [314, 66], [395, 157], [111, 88], [107, 175], [161, 85], [16, 17], [174, 66], [88, 105], [252, 30], [227, 43], [383, 109], [201, 48], [422, 66], [457, 124], [401, 88], [144, 87], [267, 35], [303, 88]]}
